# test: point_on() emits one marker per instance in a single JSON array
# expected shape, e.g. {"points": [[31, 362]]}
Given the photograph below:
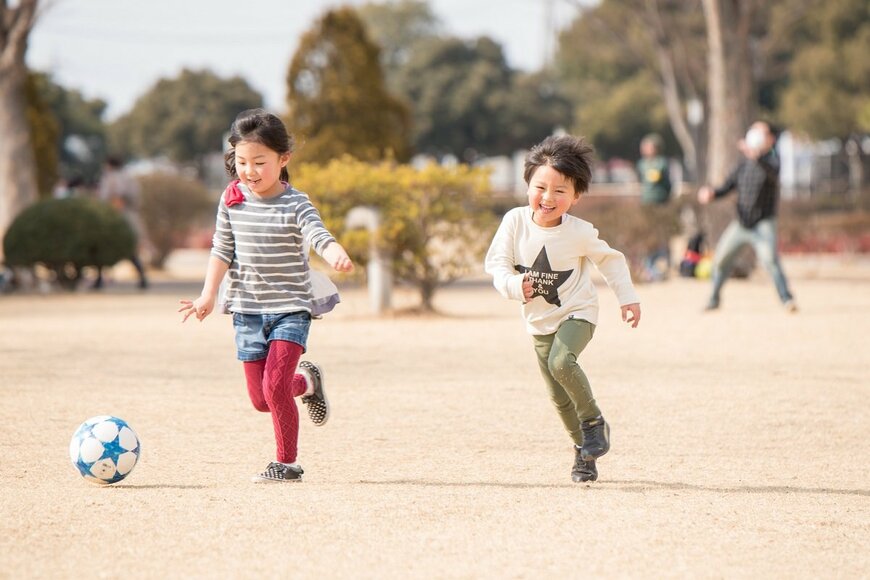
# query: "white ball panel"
{"points": [[97, 419], [105, 431], [74, 449], [103, 469], [91, 450], [126, 462], [127, 439]]}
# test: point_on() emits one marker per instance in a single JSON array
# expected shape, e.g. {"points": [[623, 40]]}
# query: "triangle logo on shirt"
{"points": [[545, 280]]}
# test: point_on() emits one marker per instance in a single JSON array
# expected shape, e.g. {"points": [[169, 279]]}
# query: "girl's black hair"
{"points": [[571, 156], [258, 126]]}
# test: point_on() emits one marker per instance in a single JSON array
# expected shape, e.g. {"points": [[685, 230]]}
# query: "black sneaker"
{"points": [[318, 405], [596, 438], [279, 472], [583, 470]]}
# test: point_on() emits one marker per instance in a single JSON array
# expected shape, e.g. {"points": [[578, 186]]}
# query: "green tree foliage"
{"points": [[435, 222], [171, 207], [457, 88], [616, 120], [468, 101], [337, 99], [44, 134], [610, 59], [397, 27], [183, 118], [536, 107], [828, 92], [464, 97], [66, 235], [80, 141]]}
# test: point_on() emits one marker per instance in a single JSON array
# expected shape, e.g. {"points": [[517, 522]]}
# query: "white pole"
{"points": [[379, 272]]}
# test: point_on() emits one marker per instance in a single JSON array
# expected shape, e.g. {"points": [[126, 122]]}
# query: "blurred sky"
{"points": [[116, 49]]}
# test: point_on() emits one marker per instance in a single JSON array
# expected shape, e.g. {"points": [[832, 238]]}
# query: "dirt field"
{"points": [[741, 441]]}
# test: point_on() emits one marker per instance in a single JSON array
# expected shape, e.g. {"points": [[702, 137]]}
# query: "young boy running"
{"points": [[542, 257]]}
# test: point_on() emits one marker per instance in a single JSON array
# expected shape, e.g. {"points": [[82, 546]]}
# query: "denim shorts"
{"points": [[255, 331]]}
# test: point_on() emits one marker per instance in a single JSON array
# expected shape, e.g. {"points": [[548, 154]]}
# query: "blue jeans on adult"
{"points": [[762, 236]]}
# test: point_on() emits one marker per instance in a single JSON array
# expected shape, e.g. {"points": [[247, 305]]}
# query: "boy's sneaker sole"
{"points": [[279, 473], [316, 403]]}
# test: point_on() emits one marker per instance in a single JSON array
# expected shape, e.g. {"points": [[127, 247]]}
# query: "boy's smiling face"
{"points": [[551, 195]]}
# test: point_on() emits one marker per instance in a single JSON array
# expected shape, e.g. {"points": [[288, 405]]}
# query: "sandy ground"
{"points": [[741, 441]]}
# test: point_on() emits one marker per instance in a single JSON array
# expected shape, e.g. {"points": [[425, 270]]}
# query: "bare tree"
{"points": [[676, 89], [17, 165], [735, 32], [730, 82], [660, 47]]}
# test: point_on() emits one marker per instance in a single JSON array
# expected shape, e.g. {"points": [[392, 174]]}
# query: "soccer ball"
{"points": [[104, 449]]}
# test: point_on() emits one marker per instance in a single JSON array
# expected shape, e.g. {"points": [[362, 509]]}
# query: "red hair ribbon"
{"points": [[233, 195]]}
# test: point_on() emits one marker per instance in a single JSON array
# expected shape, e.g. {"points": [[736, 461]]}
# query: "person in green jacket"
{"points": [[655, 182]]}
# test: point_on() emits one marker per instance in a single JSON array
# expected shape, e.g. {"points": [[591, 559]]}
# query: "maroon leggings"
{"points": [[272, 385]]}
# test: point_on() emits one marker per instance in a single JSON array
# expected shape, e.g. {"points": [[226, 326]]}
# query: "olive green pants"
{"points": [[569, 388]]}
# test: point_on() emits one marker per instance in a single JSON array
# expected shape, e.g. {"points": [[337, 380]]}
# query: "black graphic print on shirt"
{"points": [[545, 280]]}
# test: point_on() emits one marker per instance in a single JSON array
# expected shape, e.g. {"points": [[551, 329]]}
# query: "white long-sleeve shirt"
{"points": [[559, 262]]}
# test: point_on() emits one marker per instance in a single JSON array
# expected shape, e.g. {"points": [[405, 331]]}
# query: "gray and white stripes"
{"points": [[263, 240]]}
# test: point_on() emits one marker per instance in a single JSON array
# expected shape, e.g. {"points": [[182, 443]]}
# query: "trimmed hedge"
{"points": [[65, 235]]}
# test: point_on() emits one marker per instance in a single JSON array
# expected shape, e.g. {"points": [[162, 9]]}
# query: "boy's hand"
{"points": [[705, 194], [336, 257], [634, 310], [201, 307], [527, 288]]}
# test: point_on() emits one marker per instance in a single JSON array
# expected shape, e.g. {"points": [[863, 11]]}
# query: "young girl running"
{"points": [[542, 256], [263, 225]]}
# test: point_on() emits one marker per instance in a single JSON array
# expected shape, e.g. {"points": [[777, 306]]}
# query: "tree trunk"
{"points": [[427, 294], [730, 85], [675, 112], [730, 94], [17, 165]]}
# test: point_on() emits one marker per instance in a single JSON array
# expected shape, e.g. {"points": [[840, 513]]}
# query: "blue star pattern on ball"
{"points": [[545, 280], [104, 449]]}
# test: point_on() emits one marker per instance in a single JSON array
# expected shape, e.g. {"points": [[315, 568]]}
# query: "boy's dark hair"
{"points": [[258, 126], [571, 156]]}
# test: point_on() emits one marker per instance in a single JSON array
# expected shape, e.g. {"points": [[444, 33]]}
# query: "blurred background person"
{"points": [[756, 179], [655, 180], [120, 190]]}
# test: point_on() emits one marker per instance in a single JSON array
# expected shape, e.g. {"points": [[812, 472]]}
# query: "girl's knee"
{"points": [[261, 406]]}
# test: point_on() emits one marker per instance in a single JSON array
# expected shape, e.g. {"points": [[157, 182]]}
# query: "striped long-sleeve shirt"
{"points": [[262, 239]]}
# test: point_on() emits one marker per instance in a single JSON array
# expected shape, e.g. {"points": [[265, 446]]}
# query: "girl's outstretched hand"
{"points": [[201, 307], [634, 310], [336, 257]]}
